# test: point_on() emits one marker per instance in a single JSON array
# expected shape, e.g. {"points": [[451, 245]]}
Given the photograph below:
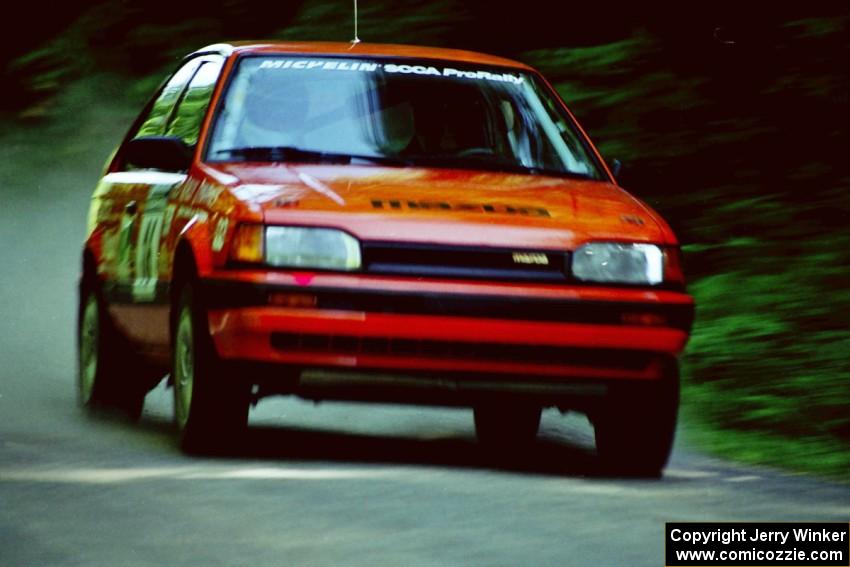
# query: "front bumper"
{"points": [[546, 332]]}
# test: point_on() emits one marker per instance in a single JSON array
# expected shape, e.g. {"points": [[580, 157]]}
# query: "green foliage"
{"points": [[606, 84], [34, 78], [769, 349], [139, 41]]}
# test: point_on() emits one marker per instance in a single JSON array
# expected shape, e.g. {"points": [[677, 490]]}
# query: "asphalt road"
{"points": [[334, 484]]}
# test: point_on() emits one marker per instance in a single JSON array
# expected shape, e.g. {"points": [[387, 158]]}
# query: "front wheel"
{"points": [[210, 406], [635, 431], [104, 376]]}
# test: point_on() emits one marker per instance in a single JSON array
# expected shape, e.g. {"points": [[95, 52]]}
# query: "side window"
{"points": [[154, 122], [191, 110]]}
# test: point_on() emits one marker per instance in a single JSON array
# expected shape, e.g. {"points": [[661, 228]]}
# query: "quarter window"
{"points": [[154, 123], [191, 110]]}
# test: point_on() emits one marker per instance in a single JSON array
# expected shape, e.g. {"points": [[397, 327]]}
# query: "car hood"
{"points": [[445, 205]]}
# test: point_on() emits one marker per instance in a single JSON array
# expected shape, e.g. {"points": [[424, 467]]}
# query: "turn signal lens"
{"points": [[673, 271], [248, 243]]}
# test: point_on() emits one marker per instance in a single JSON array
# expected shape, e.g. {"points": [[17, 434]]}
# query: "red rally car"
{"points": [[378, 223]]}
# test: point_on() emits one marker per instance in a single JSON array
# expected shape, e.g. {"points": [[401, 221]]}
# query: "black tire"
{"points": [[506, 425], [635, 431], [210, 405], [106, 375]]}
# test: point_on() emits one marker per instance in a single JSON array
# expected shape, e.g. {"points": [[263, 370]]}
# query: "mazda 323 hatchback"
{"points": [[378, 223]]}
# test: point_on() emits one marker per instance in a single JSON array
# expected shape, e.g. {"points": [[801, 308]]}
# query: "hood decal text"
{"points": [[487, 208]]}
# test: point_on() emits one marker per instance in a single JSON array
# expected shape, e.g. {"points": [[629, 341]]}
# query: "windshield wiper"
{"points": [[296, 155], [299, 155], [488, 163]]}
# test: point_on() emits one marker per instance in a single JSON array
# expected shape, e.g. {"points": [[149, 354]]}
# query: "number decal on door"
{"points": [[147, 255]]}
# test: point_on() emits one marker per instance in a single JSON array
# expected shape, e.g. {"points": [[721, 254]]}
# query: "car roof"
{"points": [[360, 49]]}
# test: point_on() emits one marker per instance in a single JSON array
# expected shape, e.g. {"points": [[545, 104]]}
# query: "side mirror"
{"points": [[617, 169], [168, 153]]}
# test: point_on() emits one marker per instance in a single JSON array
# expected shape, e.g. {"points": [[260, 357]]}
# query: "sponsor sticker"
{"points": [[487, 208], [219, 234], [391, 68]]}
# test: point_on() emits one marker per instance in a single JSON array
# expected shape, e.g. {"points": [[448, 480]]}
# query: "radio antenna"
{"points": [[356, 39]]}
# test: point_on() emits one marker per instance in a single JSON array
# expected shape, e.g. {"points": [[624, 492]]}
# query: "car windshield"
{"points": [[413, 113]]}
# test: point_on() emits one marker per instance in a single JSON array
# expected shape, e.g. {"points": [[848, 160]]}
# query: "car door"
{"points": [[122, 188], [139, 203], [151, 264]]}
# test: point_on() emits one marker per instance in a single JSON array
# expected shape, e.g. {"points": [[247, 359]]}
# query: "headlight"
{"points": [[301, 247], [619, 263]]}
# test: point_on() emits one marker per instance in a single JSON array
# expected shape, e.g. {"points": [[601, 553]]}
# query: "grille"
{"points": [[345, 344], [393, 258]]}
